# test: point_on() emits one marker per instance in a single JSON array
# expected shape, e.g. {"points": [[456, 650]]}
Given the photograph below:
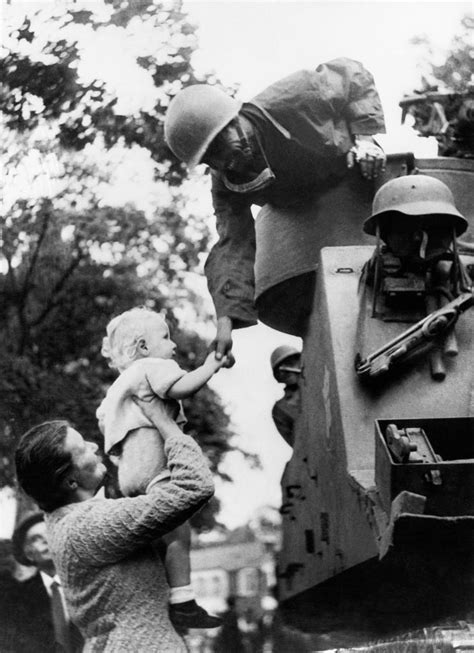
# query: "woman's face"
{"points": [[88, 470]]}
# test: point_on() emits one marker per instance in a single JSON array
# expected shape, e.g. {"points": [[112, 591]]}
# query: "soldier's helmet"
{"points": [[280, 354], [425, 198], [194, 118]]}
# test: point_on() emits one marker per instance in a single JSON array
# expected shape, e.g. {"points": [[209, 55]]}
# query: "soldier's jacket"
{"points": [[305, 123], [284, 414]]}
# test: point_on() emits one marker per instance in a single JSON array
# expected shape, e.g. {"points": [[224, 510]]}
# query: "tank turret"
{"points": [[289, 240]]}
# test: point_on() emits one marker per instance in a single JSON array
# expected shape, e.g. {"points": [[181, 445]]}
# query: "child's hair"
{"points": [[123, 334]]}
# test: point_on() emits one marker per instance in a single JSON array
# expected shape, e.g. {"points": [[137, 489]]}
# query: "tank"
{"points": [[289, 240], [378, 496]]}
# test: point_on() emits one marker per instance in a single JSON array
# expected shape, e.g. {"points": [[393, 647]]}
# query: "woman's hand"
{"points": [[161, 414]]}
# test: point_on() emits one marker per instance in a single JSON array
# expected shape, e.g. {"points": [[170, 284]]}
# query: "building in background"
{"points": [[241, 564]]}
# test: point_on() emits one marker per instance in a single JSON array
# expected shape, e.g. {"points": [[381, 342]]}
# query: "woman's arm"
{"points": [[193, 381], [103, 531]]}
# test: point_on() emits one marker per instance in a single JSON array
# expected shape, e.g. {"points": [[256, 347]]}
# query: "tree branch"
{"points": [[11, 275], [52, 303], [34, 259]]}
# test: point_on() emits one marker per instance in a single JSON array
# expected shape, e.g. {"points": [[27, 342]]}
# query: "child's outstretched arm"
{"points": [[193, 381]]}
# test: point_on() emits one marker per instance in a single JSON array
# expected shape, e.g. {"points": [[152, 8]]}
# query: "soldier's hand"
{"points": [[368, 155], [222, 343]]}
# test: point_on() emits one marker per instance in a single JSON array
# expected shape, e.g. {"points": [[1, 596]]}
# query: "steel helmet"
{"points": [[281, 353], [418, 195], [194, 118]]}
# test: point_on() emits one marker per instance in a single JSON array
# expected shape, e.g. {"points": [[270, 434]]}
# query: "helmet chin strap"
{"points": [[260, 174], [423, 245], [245, 143]]}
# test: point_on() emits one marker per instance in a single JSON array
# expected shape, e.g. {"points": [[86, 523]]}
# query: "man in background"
{"points": [[34, 615]]}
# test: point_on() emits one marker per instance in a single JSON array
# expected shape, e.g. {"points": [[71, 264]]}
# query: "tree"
{"points": [[71, 260], [51, 84], [443, 106], [455, 70]]}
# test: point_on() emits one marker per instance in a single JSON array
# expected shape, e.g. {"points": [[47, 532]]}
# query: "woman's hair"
{"points": [[123, 335], [41, 463]]}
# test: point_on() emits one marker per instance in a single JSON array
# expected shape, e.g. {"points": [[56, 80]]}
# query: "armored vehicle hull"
{"points": [[377, 541]]}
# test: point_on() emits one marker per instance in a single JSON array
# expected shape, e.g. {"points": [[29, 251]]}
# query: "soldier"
{"points": [[417, 219], [414, 271], [287, 146], [286, 366]]}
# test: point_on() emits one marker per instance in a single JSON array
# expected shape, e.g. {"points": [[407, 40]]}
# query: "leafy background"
{"points": [[70, 259], [75, 249]]}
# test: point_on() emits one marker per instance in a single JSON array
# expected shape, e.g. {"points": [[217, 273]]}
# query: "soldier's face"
{"points": [[289, 370], [423, 243], [229, 154]]}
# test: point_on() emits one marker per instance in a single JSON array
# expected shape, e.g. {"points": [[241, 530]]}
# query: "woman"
{"points": [[114, 583]]}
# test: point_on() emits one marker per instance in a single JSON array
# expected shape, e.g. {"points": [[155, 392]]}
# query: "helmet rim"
{"points": [[194, 118], [404, 195], [281, 353]]}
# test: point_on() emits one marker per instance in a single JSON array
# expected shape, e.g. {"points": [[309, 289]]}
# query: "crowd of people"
{"points": [[119, 568]]}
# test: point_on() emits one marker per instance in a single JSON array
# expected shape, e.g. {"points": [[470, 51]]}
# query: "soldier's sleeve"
{"points": [[350, 90], [284, 423], [230, 264]]}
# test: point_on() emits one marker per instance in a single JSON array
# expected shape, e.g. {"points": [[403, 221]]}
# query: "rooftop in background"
{"points": [[229, 557]]}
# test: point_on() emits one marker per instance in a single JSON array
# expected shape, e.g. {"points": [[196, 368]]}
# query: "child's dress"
{"points": [[145, 378]]}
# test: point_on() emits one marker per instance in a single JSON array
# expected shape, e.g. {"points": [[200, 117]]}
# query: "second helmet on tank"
{"points": [[281, 353], [416, 195], [194, 118]]}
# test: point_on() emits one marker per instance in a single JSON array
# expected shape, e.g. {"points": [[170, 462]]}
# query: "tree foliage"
{"points": [[455, 70], [71, 259], [48, 84]]}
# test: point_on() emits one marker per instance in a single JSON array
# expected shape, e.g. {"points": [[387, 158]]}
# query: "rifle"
{"points": [[448, 116], [416, 340]]}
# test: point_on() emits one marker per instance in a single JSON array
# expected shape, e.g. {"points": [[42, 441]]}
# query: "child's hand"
{"points": [[212, 362], [229, 360]]}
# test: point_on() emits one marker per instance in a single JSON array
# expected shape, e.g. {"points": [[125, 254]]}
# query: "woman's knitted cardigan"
{"points": [[114, 584]]}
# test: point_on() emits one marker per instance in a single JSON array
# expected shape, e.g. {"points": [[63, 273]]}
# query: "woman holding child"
{"points": [[114, 583], [139, 347]]}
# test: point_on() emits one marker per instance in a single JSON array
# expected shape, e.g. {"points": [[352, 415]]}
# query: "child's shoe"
{"points": [[190, 615]]}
